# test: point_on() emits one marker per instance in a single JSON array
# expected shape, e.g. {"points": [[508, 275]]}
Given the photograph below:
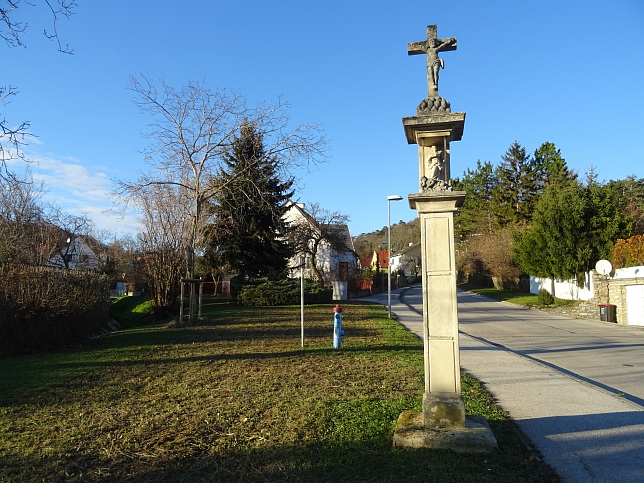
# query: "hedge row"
{"points": [[45, 308], [284, 292]]}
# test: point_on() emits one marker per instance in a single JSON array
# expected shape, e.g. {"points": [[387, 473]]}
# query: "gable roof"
{"points": [[339, 232]]}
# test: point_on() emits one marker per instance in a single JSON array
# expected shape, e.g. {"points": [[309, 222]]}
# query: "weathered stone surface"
{"points": [[431, 105], [475, 437], [432, 46], [440, 124], [445, 411]]}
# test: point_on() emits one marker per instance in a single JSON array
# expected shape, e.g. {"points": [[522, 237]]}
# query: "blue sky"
{"points": [[568, 72]]}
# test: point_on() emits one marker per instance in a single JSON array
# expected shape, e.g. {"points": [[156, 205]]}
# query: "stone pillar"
{"points": [[442, 404], [442, 424], [436, 204]]}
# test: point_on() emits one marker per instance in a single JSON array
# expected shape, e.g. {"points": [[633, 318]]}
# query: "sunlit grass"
{"points": [[519, 298]]}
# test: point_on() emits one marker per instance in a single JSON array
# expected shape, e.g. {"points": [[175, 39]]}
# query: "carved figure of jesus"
{"points": [[432, 46]]}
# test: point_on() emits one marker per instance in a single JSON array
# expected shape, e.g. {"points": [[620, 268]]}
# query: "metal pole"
{"points": [[389, 255], [389, 200], [181, 306], [200, 298], [302, 261]]}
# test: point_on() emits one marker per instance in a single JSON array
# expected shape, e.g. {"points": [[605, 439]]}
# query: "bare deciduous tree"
{"points": [[20, 212], [32, 232], [67, 236], [190, 132], [11, 31], [163, 242]]}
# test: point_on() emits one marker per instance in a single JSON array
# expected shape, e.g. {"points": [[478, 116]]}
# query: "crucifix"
{"points": [[432, 46]]}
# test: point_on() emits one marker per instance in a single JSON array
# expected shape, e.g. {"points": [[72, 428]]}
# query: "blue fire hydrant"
{"points": [[337, 327]]}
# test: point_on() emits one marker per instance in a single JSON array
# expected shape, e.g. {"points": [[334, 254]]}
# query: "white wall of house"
{"points": [[395, 262], [328, 259], [564, 289], [630, 272], [568, 289]]}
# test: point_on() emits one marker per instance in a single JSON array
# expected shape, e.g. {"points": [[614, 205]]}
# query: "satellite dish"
{"points": [[604, 267]]}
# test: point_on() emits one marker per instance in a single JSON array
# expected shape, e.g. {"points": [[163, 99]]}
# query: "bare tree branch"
{"points": [[190, 132], [11, 31]]}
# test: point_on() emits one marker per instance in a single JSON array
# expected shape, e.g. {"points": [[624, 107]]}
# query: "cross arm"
{"points": [[447, 44], [414, 48]]}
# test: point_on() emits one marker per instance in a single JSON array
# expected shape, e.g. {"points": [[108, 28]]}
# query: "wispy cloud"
{"points": [[78, 187]]}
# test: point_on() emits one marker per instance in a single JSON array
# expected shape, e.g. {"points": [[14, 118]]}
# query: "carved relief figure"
{"points": [[434, 163], [434, 63]]}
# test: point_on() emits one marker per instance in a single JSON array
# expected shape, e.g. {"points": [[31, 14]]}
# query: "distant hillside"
{"points": [[402, 234]]}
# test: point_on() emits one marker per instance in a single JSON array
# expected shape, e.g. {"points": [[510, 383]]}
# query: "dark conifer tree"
{"points": [[551, 166], [517, 187], [477, 214], [573, 227], [248, 231]]}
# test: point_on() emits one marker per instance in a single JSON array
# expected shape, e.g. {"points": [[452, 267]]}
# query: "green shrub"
{"points": [[283, 292], [545, 297]]}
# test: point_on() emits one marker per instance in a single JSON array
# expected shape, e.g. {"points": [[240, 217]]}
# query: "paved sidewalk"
{"points": [[584, 432]]}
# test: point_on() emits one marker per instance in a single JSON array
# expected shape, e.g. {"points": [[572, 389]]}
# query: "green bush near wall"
{"points": [[283, 292]]}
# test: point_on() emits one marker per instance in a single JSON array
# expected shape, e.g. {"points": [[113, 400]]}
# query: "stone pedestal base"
{"points": [[475, 437], [443, 410]]}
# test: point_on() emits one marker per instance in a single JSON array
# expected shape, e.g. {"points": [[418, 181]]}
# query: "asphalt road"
{"points": [[603, 354], [575, 387]]}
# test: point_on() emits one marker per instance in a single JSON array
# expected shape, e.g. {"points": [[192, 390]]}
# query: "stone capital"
{"points": [[445, 125], [436, 201]]}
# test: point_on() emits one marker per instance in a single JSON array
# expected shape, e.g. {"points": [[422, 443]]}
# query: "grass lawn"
{"points": [[519, 298], [238, 400]]}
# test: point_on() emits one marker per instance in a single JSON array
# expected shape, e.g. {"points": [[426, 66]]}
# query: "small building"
{"points": [[380, 259]]}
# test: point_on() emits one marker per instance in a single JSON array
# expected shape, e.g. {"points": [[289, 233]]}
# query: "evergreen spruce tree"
{"points": [[573, 227], [630, 195], [248, 230], [550, 166], [517, 188], [476, 214]]}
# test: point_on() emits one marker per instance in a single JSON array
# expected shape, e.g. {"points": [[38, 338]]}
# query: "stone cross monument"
{"points": [[442, 423], [432, 46]]}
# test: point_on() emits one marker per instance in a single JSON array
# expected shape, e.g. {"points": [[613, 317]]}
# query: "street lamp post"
{"points": [[389, 200]]}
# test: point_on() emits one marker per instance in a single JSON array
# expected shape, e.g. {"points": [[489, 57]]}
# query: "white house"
{"points": [[408, 260], [334, 261], [76, 255]]}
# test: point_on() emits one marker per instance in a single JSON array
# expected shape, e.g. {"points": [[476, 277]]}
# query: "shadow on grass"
{"points": [[365, 460]]}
